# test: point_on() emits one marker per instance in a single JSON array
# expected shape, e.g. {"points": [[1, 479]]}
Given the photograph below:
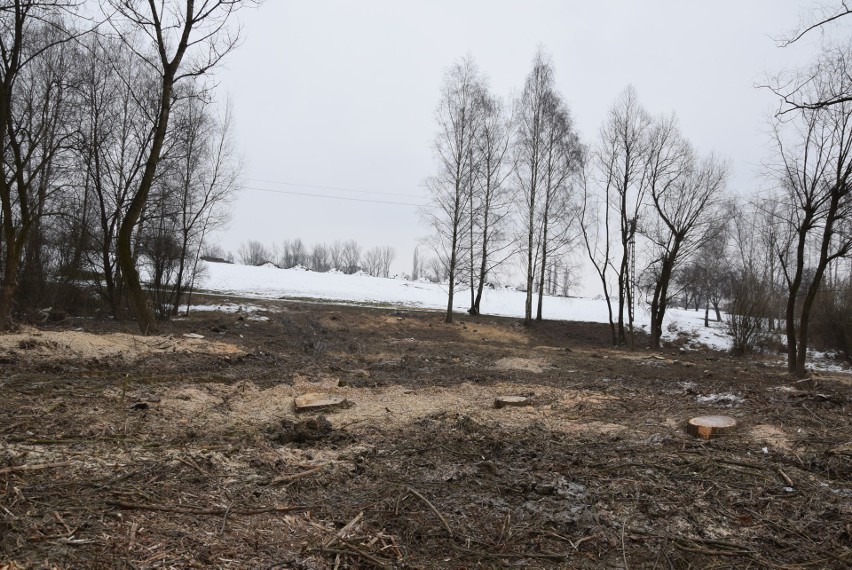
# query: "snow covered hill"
{"points": [[269, 282]]}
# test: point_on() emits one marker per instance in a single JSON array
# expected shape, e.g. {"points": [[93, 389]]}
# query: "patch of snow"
{"points": [[724, 399], [229, 308], [782, 389]]}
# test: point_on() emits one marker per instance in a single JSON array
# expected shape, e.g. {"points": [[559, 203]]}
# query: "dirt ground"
{"points": [[175, 451]]}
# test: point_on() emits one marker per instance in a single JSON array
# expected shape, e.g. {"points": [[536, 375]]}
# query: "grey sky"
{"points": [[342, 94]]}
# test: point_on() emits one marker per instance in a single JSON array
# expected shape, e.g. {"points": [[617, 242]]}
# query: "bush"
{"points": [[831, 321], [747, 322]]}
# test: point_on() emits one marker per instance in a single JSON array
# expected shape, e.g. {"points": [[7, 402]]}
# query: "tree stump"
{"points": [[503, 401], [312, 402], [706, 427]]}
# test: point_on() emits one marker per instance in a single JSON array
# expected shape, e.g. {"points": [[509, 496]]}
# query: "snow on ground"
{"points": [[270, 282]]}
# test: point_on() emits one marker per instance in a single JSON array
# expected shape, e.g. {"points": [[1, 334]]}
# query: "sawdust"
{"points": [[534, 365], [772, 436], [245, 403], [52, 346], [489, 333]]}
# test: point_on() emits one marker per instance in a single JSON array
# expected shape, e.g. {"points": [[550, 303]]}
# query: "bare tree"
{"points": [[819, 18], [320, 258], [450, 188], [372, 261], [284, 256], [416, 265], [529, 150], [491, 196], [684, 192], [793, 88], [350, 257], [298, 254], [623, 155], [707, 277], [594, 221], [562, 161], [116, 93], [208, 172], [253, 252], [34, 66], [814, 148], [437, 269], [388, 254], [187, 39], [335, 254]]}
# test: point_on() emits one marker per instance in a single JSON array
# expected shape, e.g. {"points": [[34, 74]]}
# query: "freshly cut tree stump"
{"points": [[313, 401], [710, 426], [503, 401]]}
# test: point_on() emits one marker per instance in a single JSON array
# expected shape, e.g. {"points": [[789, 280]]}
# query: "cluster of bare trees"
{"points": [[344, 256], [115, 163], [779, 262], [490, 164], [651, 201], [641, 179]]}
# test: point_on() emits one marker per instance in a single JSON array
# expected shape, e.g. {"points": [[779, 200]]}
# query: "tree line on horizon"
{"points": [[345, 256]]}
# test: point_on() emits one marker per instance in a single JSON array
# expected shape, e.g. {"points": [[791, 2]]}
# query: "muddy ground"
{"points": [[118, 451]]}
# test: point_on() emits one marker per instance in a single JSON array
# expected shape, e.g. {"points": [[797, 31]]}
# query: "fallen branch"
{"points": [[33, 467], [355, 551], [709, 552], [339, 534], [193, 511], [431, 506], [192, 464], [786, 478], [294, 476], [484, 554]]}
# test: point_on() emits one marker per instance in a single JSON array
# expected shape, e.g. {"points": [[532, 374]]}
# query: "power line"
{"points": [[334, 188], [311, 195]]}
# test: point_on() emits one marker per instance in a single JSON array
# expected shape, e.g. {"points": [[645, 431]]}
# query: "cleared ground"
{"points": [[118, 451]]}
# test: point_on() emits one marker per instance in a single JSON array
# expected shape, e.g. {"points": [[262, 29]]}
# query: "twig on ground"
{"points": [[342, 532], [293, 476], [484, 554], [193, 465], [132, 542], [192, 511], [224, 520], [355, 551], [431, 506], [33, 467]]}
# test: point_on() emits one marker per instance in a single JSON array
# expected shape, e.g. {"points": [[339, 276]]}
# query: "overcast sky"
{"points": [[332, 95]]}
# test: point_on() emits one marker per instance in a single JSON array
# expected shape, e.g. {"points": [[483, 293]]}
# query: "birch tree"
{"points": [[491, 196], [623, 155], [562, 161], [529, 149], [450, 188]]}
